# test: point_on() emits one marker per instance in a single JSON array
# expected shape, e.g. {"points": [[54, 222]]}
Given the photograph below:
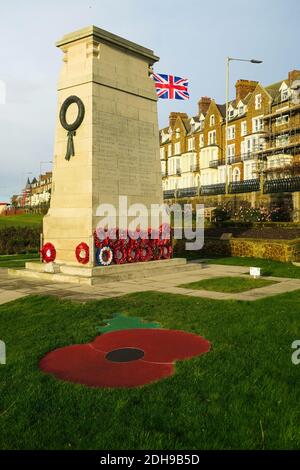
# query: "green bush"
{"points": [[16, 240], [221, 214]]}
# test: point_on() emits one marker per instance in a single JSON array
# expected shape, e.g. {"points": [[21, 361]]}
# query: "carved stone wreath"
{"points": [[71, 128]]}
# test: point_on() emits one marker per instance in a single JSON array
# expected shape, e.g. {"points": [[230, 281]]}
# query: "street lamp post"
{"points": [[228, 60]]}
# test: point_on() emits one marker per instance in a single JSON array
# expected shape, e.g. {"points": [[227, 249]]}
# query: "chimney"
{"points": [[294, 75], [173, 116], [203, 104], [243, 87]]}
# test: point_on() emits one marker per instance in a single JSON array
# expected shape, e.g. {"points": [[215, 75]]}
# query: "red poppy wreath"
{"points": [[82, 253], [48, 253]]}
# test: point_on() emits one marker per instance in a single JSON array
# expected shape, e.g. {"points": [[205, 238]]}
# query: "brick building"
{"points": [[36, 193], [262, 158]]}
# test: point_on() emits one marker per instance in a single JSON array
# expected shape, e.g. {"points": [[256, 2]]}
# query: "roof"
{"points": [[247, 98], [187, 124], [273, 90], [222, 109]]}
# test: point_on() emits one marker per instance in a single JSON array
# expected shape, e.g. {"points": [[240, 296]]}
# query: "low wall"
{"points": [[277, 250]]}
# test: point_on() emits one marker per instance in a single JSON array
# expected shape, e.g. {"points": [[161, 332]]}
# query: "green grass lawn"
{"points": [[228, 284], [269, 267], [17, 261], [32, 220], [244, 394]]}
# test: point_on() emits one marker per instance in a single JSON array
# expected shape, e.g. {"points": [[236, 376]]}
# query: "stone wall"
{"points": [[277, 250]]}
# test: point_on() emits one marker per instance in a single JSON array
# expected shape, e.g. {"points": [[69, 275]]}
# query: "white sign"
{"points": [[255, 272]]}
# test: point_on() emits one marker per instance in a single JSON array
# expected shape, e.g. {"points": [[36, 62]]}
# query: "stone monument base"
{"points": [[100, 274]]}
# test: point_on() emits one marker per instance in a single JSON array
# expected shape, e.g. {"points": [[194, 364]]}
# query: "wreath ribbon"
{"points": [[70, 145]]}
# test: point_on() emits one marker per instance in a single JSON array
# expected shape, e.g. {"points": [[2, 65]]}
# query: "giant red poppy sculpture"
{"points": [[124, 358]]}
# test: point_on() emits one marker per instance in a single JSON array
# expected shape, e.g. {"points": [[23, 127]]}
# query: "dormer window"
{"points": [[230, 113], [241, 109], [212, 120], [201, 124], [177, 133], [285, 94]]}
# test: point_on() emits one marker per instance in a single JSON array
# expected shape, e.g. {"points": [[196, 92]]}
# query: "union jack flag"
{"points": [[169, 87]]}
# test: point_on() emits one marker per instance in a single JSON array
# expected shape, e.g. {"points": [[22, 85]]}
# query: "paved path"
{"points": [[15, 288]]}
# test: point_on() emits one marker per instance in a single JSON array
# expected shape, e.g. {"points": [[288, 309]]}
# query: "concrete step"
{"points": [[96, 280], [86, 271], [105, 274]]}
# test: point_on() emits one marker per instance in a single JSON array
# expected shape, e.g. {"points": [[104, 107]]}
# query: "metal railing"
{"points": [[247, 156], [187, 192], [280, 185], [246, 186], [213, 164], [212, 189], [169, 194], [234, 159]]}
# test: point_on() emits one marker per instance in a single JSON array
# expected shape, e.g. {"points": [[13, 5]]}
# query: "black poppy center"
{"points": [[125, 355]]}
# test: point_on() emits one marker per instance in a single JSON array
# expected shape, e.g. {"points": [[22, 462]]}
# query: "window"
{"points": [[281, 120], [162, 153], [177, 148], [178, 171], [231, 133], [244, 128], [177, 133], [257, 124], [230, 153], [241, 109], [169, 150], [192, 162], [212, 120], [201, 124], [282, 140], [212, 137], [257, 101], [230, 113], [285, 94], [249, 171], [236, 175], [222, 174], [201, 140], [191, 144]]}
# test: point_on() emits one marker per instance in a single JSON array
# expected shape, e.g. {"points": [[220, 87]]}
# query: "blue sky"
{"points": [[192, 39]]}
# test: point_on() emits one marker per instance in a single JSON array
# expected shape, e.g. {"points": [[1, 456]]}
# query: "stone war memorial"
{"points": [[106, 146]]}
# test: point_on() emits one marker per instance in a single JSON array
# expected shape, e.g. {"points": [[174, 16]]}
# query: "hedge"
{"points": [[15, 240]]}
